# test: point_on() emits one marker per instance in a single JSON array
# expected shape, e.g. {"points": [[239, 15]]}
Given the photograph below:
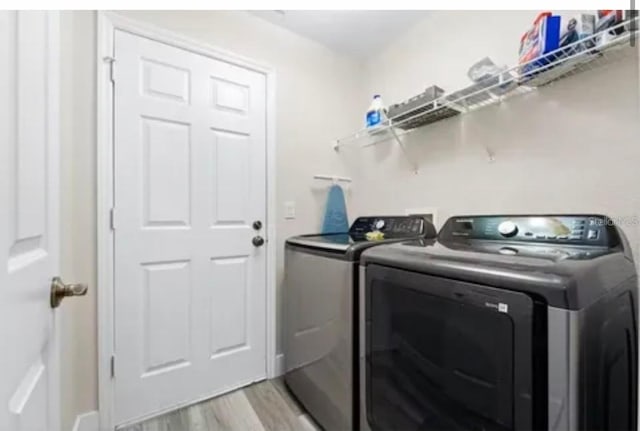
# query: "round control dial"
{"points": [[379, 224], [508, 228]]}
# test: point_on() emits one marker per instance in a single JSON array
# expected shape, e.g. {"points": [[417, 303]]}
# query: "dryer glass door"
{"points": [[443, 354]]}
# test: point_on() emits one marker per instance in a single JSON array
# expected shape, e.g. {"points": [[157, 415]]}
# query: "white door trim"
{"points": [[53, 119], [108, 22]]}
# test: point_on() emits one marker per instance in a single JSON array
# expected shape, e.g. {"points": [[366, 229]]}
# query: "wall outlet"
{"points": [[289, 210]]}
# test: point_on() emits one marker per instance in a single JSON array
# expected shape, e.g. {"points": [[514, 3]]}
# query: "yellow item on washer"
{"points": [[376, 235]]}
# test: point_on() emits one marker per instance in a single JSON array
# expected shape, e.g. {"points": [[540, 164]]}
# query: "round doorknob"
{"points": [[257, 241], [60, 290]]}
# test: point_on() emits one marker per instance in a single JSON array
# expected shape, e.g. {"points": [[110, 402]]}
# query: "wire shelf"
{"points": [[589, 53]]}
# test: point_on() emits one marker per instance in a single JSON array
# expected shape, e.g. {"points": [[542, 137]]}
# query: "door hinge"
{"points": [[113, 366], [111, 61], [112, 218]]}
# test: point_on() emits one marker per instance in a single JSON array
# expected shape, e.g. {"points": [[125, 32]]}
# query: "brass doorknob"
{"points": [[59, 291]]}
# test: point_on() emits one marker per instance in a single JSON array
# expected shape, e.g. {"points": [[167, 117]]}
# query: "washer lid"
{"points": [[350, 244], [332, 241], [341, 246]]}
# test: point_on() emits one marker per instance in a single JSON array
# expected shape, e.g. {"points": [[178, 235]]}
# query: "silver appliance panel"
{"points": [[363, 423], [564, 338], [318, 340]]}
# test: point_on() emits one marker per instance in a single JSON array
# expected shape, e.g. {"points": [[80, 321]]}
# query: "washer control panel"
{"points": [[564, 229], [391, 226]]}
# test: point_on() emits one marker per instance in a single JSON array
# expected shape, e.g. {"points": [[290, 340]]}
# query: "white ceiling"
{"points": [[357, 33]]}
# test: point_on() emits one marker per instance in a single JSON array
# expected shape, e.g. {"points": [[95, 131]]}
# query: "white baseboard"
{"points": [[279, 364], [87, 422]]}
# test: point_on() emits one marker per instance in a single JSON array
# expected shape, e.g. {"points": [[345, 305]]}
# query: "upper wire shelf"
{"points": [[588, 53]]}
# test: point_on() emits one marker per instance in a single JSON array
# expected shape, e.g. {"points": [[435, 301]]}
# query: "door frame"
{"points": [[54, 85], [107, 23]]}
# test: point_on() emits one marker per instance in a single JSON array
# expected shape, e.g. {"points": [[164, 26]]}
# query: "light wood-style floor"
{"points": [[264, 406]]}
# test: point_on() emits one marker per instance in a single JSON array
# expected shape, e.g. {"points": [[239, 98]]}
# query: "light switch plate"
{"points": [[289, 210]]}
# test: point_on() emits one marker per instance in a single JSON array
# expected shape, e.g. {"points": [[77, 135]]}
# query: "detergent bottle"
{"points": [[375, 113]]}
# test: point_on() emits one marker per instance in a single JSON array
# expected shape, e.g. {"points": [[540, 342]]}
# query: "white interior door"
{"points": [[189, 183], [29, 168]]}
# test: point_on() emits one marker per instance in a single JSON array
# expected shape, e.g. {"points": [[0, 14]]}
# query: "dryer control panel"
{"points": [[393, 226], [593, 230]]}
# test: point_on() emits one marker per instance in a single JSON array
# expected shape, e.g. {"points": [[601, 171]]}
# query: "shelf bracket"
{"points": [[404, 150], [491, 156]]}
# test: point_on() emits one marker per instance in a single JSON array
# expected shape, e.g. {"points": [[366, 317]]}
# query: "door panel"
{"points": [[167, 173], [28, 214], [28, 171], [189, 181], [165, 81], [167, 293], [231, 176], [229, 304], [229, 96]]}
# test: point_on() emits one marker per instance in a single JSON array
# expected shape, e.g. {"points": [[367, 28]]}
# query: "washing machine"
{"points": [[503, 323], [320, 307]]}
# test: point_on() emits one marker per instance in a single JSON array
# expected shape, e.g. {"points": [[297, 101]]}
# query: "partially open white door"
{"points": [[190, 199], [29, 166]]}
